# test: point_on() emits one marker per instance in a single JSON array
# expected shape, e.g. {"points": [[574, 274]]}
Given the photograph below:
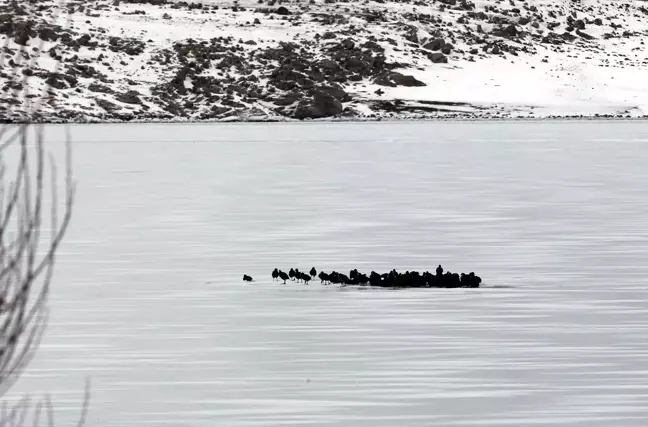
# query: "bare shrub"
{"points": [[34, 217]]}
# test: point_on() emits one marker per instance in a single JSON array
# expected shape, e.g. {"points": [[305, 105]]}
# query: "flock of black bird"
{"points": [[393, 279]]}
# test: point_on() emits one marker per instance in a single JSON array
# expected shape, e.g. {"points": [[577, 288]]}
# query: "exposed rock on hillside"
{"points": [[313, 59]]}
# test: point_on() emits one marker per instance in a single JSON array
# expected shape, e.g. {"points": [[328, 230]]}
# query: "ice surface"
{"points": [[148, 299], [604, 75]]}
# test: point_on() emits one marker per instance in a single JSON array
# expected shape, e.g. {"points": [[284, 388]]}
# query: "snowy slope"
{"points": [[242, 60]]}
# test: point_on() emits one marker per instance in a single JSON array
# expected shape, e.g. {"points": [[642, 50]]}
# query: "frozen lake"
{"points": [[148, 299]]}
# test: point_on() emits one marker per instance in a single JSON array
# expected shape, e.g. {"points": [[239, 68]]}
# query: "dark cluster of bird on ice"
{"points": [[393, 279]]}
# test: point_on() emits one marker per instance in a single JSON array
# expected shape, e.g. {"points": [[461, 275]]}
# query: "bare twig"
{"points": [[27, 176]]}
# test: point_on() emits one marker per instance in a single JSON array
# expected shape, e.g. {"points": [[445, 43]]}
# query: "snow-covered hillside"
{"points": [[268, 60]]}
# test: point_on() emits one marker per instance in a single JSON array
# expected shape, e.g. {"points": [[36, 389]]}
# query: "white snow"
{"points": [[584, 77], [576, 88]]}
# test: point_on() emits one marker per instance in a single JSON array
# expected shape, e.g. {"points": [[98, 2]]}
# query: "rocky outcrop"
{"points": [[320, 105], [130, 97], [128, 46], [438, 58], [289, 60]]}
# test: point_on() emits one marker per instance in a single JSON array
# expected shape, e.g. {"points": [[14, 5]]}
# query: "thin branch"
{"points": [[29, 184]]}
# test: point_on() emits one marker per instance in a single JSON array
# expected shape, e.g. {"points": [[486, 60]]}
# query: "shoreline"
{"points": [[574, 118]]}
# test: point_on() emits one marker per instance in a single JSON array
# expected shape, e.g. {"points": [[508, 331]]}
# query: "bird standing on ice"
{"points": [[283, 276]]}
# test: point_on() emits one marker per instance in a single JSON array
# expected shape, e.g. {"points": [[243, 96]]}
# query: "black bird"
{"points": [[291, 274], [313, 272], [283, 276], [247, 278], [275, 274], [439, 270]]}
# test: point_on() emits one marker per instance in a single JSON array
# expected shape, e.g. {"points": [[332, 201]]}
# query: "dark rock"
{"points": [[509, 31], [232, 103], [394, 79], [94, 87], [49, 33], [373, 46], [287, 99], [467, 5], [11, 101], [436, 44], [347, 44], [356, 63], [130, 97], [71, 80], [219, 111], [437, 58], [22, 38], [412, 36], [84, 40], [282, 10], [335, 91], [553, 38], [385, 106], [320, 106], [107, 105], [129, 46], [350, 112], [329, 65], [585, 35], [286, 78], [568, 37], [57, 81]]}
